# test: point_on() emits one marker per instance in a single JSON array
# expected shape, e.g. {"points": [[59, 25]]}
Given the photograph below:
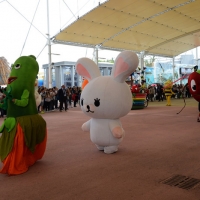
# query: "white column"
{"points": [[106, 71], [72, 75], [142, 60], [142, 64], [96, 55], [49, 48], [61, 76], [173, 66]]}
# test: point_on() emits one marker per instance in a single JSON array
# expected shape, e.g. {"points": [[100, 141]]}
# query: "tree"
{"points": [[4, 71], [150, 61]]}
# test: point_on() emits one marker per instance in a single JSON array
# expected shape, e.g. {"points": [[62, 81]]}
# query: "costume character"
{"points": [[194, 87], [38, 98], [135, 88], [105, 99], [168, 91], [143, 88], [24, 135]]}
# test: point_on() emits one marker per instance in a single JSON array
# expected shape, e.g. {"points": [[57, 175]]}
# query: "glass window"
{"points": [[53, 78], [68, 84], [67, 75], [45, 77]]}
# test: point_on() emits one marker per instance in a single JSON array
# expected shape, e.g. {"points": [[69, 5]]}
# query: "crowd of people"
{"points": [[52, 99], [68, 97], [58, 99], [156, 92]]}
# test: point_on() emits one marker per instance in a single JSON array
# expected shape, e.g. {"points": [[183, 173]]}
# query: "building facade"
{"points": [[64, 73]]}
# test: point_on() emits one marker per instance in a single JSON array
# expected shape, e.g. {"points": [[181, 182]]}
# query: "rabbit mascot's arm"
{"points": [[116, 129], [86, 126]]}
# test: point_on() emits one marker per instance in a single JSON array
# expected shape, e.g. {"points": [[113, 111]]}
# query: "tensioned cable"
{"points": [[76, 13], [77, 7], [2, 1], [41, 50], [69, 8], [25, 18], [60, 14], [29, 28]]}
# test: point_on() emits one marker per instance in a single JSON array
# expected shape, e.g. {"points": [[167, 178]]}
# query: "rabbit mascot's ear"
{"points": [[125, 64], [87, 68]]}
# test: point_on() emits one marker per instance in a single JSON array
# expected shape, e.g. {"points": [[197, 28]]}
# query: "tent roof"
{"points": [[159, 27]]}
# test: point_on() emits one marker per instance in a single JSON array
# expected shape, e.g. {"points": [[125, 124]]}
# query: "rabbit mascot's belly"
{"points": [[106, 99], [101, 134]]}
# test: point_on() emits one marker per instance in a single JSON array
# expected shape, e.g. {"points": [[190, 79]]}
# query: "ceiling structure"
{"points": [[155, 27]]}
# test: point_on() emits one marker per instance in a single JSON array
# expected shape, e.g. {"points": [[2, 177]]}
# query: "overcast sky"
{"points": [[18, 37]]}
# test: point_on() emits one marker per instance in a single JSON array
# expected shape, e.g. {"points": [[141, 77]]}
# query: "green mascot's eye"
{"points": [[17, 66]]}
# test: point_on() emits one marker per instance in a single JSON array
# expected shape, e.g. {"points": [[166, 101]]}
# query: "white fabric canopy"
{"points": [[159, 27]]}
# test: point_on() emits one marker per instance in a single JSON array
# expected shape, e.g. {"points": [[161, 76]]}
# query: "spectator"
{"points": [[70, 97], [62, 95], [187, 92], [151, 93], [159, 92], [56, 98], [48, 100], [52, 96]]}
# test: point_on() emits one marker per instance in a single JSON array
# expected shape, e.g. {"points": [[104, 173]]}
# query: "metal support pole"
{"points": [[96, 55], [72, 76], [49, 47], [142, 64], [173, 66], [61, 76]]}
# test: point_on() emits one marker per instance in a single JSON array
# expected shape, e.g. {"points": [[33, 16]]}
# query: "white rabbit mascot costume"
{"points": [[38, 98], [105, 99]]}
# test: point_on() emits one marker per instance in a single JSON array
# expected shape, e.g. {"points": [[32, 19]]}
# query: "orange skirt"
{"points": [[21, 158]]}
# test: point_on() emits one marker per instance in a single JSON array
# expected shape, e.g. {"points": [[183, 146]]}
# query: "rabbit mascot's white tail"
{"points": [[105, 99]]}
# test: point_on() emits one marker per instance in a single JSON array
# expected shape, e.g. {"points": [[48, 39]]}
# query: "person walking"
{"points": [[151, 93], [55, 97], [159, 92], [62, 96], [70, 97], [75, 96], [48, 100]]}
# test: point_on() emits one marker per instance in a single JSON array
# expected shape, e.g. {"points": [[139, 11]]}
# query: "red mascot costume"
{"points": [[194, 87]]}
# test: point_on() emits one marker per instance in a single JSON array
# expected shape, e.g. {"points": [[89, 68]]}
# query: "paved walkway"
{"points": [[159, 143]]}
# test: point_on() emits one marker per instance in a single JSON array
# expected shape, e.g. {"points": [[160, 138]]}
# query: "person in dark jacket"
{"points": [[159, 92], [62, 96]]}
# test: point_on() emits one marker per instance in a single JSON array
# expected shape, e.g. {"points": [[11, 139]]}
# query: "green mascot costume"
{"points": [[24, 134]]}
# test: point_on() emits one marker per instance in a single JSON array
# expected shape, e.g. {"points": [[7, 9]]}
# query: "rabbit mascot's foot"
{"points": [[108, 150]]}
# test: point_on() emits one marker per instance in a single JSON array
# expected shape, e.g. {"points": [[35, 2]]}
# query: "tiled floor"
{"points": [[159, 143]]}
